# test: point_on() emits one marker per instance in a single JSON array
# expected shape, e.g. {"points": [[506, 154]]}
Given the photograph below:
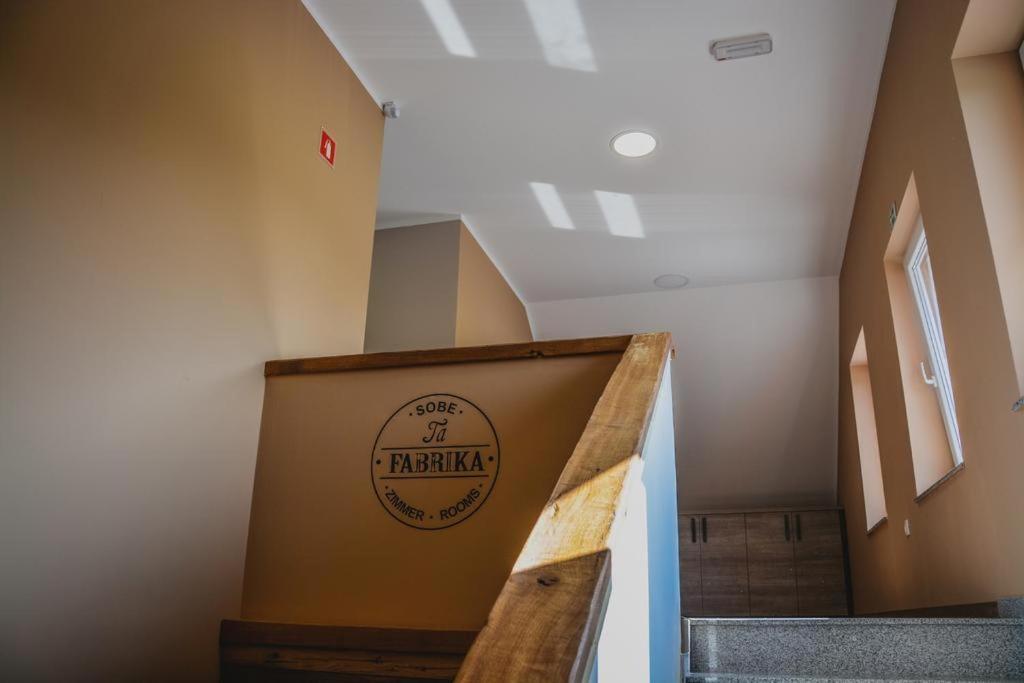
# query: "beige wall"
{"points": [[323, 549], [165, 226], [488, 310], [990, 26], [967, 542], [413, 288], [991, 90], [433, 286]]}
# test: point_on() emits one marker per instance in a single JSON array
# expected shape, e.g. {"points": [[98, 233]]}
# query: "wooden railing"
{"points": [[547, 620], [471, 354]]}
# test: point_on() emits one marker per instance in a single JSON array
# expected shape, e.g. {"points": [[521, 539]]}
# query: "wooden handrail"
{"points": [[544, 624], [467, 354]]}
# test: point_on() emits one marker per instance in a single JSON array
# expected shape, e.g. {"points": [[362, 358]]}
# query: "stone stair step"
{"points": [[858, 649], [748, 678]]}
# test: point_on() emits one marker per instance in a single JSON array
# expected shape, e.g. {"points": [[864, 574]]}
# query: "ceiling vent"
{"points": [[744, 46]]}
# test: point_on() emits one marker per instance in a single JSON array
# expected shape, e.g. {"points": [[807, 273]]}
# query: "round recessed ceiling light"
{"points": [[634, 143], [671, 281]]}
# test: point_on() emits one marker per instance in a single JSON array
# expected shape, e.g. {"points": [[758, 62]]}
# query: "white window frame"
{"points": [[927, 305], [1019, 405]]}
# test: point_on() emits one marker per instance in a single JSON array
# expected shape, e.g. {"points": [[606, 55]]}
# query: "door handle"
{"points": [[798, 527], [704, 528], [929, 380], [786, 518], [693, 529]]}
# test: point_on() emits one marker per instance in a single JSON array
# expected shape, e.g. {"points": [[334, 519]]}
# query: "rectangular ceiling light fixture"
{"points": [[744, 46]]}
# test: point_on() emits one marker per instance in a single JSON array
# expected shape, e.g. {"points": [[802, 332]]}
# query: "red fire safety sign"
{"points": [[327, 147]]}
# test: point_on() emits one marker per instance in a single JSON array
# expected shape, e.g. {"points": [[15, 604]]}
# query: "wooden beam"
{"points": [[469, 354], [356, 664], [545, 622], [239, 632], [258, 651]]}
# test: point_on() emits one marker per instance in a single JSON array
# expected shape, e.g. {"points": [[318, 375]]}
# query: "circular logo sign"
{"points": [[435, 461]]}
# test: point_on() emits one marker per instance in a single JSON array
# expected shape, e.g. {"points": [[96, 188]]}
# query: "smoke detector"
{"points": [[671, 281], [743, 46]]}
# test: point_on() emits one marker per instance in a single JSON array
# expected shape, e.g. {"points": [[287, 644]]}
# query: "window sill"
{"points": [[877, 525], [946, 477]]}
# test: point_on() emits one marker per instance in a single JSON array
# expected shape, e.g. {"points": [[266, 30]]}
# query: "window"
{"points": [[990, 85], [934, 368], [867, 436], [924, 372]]}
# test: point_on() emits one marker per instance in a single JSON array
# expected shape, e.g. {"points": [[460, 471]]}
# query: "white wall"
{"points": [[659, 480], [640, 640], [754, 383]]}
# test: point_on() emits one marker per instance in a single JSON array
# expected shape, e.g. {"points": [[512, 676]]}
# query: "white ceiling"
{"points": [[758, 159]]}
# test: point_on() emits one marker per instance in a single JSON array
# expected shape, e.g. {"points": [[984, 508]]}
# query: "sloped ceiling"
{"points": [[508, 104]]}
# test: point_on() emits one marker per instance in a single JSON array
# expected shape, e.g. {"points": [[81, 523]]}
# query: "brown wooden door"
{"points": [[771, 564], [723, 565], [689, 566], [820, 578]]}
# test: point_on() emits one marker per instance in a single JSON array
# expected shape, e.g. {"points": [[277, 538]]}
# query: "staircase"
{"points": [[780, 650]]}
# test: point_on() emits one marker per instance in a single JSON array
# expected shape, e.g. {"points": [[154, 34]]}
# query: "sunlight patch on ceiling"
{"points": [[448, 26], [620, 213], [551, 203], [560, 30]]}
